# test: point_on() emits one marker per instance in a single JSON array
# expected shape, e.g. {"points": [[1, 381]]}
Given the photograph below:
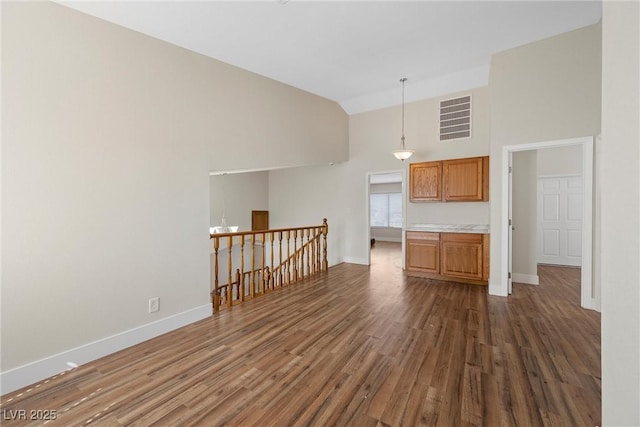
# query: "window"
{"points": [[386, 210]]}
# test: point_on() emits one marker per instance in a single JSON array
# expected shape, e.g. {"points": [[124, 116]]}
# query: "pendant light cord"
{"points": [[402, 139]]}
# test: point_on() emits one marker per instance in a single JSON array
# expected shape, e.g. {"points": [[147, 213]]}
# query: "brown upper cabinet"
{"points": [[425, 181], [455, 180]]}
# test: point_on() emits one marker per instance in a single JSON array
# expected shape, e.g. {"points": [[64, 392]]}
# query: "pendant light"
{"points": [[403, 153]]}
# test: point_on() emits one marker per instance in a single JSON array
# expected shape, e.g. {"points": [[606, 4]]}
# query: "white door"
{"points": [[560, 220]]}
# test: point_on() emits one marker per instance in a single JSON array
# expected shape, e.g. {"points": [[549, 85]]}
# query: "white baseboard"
{"points": [[355, 260], [496, 288], [31, 373], [529, 279]]}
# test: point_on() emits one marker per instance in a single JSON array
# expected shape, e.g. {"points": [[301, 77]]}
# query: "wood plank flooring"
{"points": [[358, 346]]}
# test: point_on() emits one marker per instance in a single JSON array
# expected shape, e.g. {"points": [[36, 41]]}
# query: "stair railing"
{"points": [[264, 261]]}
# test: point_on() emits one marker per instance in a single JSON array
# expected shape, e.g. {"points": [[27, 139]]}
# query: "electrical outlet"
{"points": [[154, 304]]}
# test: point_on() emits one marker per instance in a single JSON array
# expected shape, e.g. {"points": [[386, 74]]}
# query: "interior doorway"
{"points": [[589, 297], [386, 211]]}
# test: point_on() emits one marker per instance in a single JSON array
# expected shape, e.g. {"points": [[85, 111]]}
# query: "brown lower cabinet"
{"points": [[423, 252], [461, 255], [451, 256]]}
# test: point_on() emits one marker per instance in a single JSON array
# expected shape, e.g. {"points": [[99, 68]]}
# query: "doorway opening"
{"points": [[386, 213], [589, 297]]}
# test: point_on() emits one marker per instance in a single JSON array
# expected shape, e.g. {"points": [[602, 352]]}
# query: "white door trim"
{"points": [[588, 298]]}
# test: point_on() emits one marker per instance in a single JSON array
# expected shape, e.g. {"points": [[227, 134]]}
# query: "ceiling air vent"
{"points": [[455, 118]]}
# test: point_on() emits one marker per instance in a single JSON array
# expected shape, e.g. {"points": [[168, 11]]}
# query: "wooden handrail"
{"points": [[274, 230], [308, 257]]}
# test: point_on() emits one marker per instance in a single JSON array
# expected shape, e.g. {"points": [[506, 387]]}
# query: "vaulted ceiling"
{"points": [[353, 52]]}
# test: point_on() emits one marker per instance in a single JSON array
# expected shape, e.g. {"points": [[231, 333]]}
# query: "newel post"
{"points": [[325, 231], [216, 292]]}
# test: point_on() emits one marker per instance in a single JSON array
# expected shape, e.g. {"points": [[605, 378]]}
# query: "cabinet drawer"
{"points": [[462, 237], [422, 235]]}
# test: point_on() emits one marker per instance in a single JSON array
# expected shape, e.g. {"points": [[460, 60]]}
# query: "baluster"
{"points": [[216, 289], [267, 278], [230, 268], [295, 255], [241, 279], [272, 278], [318, 234], [325, 231], [288, 268], [253, 265], [280, 258], [313, 251], [307, 233], [262, 266], [302, 254]]}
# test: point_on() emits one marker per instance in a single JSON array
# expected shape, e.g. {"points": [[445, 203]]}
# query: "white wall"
{"points": [[235, 196], [524, 215], [108, 137], [620, 214], [543, 91]]}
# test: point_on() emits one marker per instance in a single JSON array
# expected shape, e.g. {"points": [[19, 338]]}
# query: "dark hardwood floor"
{"points": [[361, 346]]}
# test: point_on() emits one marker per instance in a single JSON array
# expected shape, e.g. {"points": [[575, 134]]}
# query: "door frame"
{"points": [[588, 297], [403, 175]]}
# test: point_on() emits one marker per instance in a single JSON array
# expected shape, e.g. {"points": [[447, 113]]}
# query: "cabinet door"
{"points": [[463, 179], [425, 181], [462, 255], [423, 252]]}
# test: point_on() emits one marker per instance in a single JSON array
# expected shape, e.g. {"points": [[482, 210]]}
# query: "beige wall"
{"points": [[108, 137], [560, 160], [304, 196], [372, 137], [524, 216], [543, 91], [235, 196], [620, 209], [425, 118], [342, 189]]}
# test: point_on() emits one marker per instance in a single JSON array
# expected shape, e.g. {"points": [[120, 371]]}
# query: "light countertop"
{"points": [[450, 228]]}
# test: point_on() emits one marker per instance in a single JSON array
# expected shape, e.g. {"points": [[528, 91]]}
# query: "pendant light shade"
{"points": [[403, 154]]}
